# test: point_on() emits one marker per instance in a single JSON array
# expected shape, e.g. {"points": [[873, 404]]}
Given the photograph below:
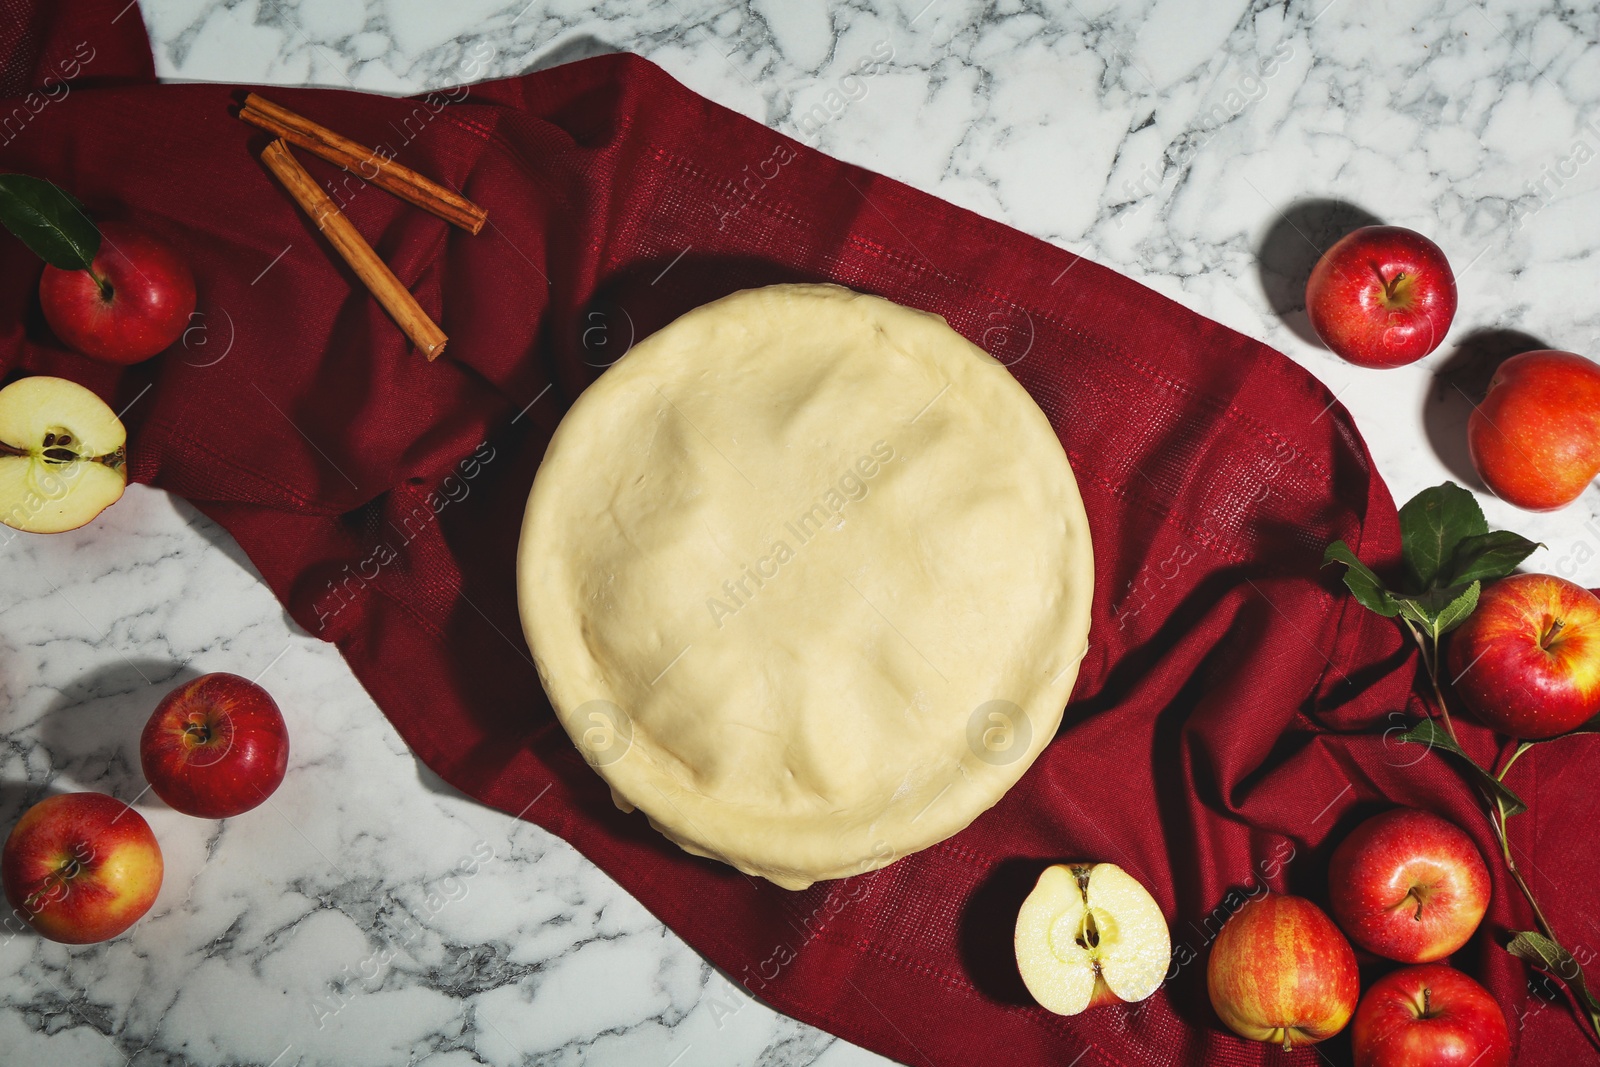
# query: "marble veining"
{"points": [[1207, 148]]}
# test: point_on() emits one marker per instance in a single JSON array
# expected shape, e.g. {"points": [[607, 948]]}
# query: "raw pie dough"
{"points": [[806, 576]]}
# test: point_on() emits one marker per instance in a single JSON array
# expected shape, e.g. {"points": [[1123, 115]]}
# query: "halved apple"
{"points": [[62, 459], [1090, 934]]}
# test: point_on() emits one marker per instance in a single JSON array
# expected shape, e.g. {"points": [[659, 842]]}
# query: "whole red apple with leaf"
{"points": [[115, 293], [1522, 674]]}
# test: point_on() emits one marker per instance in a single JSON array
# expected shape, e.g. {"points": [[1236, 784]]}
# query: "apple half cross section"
{"points": [[1090, 934], [62, 458]]}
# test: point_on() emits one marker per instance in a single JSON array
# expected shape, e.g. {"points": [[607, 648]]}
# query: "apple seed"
{"points": [[1089, 936]]}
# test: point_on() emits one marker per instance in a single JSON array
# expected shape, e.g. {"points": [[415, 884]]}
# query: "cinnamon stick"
{"points": [[354, 250], [371, 165]]}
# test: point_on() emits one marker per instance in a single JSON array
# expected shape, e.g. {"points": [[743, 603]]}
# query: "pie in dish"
{"points": [[806, 577]]}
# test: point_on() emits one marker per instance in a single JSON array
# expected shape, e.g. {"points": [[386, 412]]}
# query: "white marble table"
{"points": [[1183, 142]]}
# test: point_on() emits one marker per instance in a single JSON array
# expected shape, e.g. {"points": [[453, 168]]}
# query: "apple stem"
{"points": [[1497, 819], [1389, 284], [1550, 634], [102, 283], [1518, 751], [1430, 660], [9, 450]]}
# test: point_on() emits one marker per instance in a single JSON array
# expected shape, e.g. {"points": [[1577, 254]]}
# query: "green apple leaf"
{"points": [[1438, 611], [1429, 732], [1533, 947], [1456, 611], [1432, 524], [1361, 582], [1485, 557], [1413, 609], [49, 220]]}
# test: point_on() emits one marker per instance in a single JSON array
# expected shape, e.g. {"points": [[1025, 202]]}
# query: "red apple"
{"points": [[1408, 885], [215, 747], [81, 867], [1281, 972], [1535, 439], [1527, 661], [1430, 1016], [134, 301], [1382, 296]]}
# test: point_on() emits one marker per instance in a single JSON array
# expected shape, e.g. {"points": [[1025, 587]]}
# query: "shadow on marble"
{"points": [[583, 46], [1292, 246], [18, 797], [91, 730], [1458, 384], [436, 785]]}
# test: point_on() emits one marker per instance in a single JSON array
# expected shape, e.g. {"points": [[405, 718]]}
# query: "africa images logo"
{"points": [[803, 528]]}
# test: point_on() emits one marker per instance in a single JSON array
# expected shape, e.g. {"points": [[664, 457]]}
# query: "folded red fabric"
{"points": [[1228, 724]]}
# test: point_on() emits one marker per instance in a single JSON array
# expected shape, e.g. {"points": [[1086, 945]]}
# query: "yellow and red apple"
{"points": [[1535, 439], [81, 867], [1429, 1016], [1281, 972], [1527, 661], [1408, 885]]}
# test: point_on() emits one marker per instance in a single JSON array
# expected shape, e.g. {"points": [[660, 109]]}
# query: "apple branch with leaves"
{"points": [[1448, 552]]}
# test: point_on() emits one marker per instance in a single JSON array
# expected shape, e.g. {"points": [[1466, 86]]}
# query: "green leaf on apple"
{"points": [[49, 220], [1432, 525], [1438, 611], [1485, 557], [1533, 947], [1361, 582], [1458, 604], [1429, 732]]}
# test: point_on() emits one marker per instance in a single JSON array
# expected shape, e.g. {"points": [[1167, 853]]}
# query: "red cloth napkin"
{"points": [[1228, 724]]}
